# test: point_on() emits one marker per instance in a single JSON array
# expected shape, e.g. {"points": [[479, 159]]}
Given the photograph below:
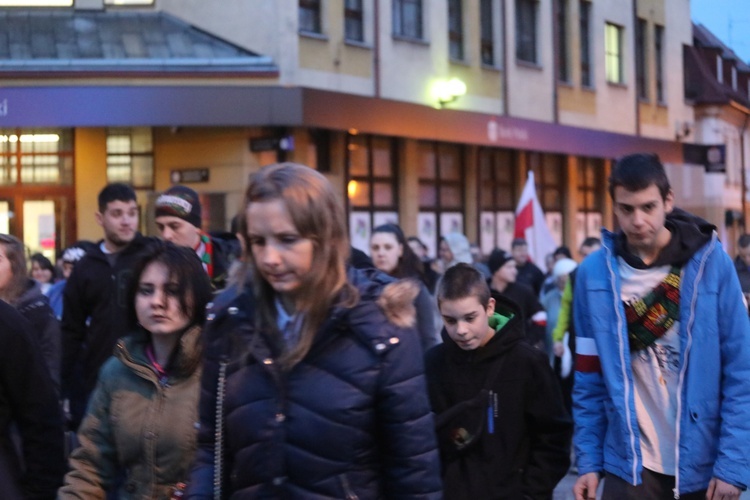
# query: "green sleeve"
{"points": [[563, 318]]}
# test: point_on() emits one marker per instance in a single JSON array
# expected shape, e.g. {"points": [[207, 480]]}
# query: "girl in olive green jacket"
{"points": [[140, 423]]}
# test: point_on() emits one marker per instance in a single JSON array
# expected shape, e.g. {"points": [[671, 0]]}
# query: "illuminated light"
{"points": [[353, 131], [40, 138], [352, 188], [36, 3], [30, 138], [447, 91]]}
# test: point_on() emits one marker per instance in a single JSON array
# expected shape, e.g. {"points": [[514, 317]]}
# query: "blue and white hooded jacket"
{"points": [[713, 402]]}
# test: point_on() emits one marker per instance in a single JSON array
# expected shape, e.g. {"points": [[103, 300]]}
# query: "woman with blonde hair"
{"points": [[313, 383]]}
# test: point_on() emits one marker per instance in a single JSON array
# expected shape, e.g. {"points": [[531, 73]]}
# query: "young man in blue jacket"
{"points": [[660, 400]]}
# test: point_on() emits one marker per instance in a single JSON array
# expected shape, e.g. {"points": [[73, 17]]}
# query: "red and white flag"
{"points": [[531, 224]]}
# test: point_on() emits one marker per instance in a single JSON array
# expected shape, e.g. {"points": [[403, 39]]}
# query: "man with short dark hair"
{"points": [[528, 273], [94, 296], [663, 352]]}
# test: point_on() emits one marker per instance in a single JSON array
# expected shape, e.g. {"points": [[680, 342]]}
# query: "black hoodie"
{"points": [[528, 453], [689, 234]]}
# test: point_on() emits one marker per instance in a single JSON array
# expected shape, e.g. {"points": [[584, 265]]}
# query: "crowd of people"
{"points": [[276, 361]]}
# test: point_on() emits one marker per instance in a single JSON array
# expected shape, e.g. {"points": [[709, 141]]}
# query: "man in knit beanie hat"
{"points": [[178, 219]]}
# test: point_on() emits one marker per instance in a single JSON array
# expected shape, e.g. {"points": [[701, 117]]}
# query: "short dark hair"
{"points": [[518, 242], [44, 263], [184, 266], [744, 241], [462, 281], [591, 241], [562, 250], [637, 172], [116, 191]]}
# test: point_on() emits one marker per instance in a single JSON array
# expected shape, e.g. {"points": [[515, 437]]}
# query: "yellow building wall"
{"points": [[576, 100], [90, 177], [653, 114]]}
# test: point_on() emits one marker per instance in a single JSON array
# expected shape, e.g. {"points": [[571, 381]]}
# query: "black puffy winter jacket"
{"points": [[351, 420]]}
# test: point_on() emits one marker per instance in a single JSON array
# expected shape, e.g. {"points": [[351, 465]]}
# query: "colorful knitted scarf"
{"points": [[208, 253], [650, 317]]}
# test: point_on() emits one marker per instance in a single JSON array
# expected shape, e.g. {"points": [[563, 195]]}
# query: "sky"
{"points": [[729, 20]]}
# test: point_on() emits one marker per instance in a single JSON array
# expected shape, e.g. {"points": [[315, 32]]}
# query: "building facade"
{"points": [[426, 113]]}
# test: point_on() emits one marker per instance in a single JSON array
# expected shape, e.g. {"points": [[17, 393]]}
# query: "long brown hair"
{"points": [[16, 255], [318, 216]]}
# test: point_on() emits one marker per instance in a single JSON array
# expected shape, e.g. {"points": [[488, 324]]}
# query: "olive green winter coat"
{"points": [[138, 424]]}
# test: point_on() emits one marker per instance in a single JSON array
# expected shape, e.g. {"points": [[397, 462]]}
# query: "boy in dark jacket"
{"points": [[502, 427]]}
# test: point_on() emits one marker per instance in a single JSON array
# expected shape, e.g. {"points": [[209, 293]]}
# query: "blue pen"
{"points": [[490, 416]]}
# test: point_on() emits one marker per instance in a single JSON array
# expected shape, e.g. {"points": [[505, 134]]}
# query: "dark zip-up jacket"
{"points": [[94, 312], [528, 452], [351, 420], [28, 401], [34, 306]]}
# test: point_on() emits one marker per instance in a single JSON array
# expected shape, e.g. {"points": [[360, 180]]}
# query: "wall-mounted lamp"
{"points": [[447, 91], [682, 130]]}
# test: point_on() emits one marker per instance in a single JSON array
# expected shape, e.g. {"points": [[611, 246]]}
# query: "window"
{"points": [[498, 195], [309, 16], [129, 2], [659, 62], [39, 156], [613, 53], [130, 157], [407, 18], [441, 199], [455, 30], [353, 21], [641, 73], [590, 189], [585, 27], [487, 35], [562, 41], [526, 11], [36, 3], [734, 78], [719, 69], [372, 188]]}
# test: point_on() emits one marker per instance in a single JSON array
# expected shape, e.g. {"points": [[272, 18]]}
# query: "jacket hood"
{"points": [[31, 296], [131, 350], [511, 332], [460, 248], [689, 234]]}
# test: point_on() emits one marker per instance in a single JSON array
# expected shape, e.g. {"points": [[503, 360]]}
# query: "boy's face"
{"points": [[466, 321]]}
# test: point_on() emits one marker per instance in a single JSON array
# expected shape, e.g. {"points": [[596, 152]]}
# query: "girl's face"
{"points": [[386, 251], [444, 252], [6, 273], [507, 272], [39, 273], [282, 255], [157, 305]]}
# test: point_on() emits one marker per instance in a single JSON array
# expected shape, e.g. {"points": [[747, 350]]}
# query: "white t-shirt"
{"points": [[656, 372]]}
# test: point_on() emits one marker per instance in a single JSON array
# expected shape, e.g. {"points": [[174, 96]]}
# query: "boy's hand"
{"points": [[558, 349], [586, 485], [719, 490]]}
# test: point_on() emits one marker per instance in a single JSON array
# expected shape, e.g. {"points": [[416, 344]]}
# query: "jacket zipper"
{"points": [[626, 382], [219, 430], [683, 369]]}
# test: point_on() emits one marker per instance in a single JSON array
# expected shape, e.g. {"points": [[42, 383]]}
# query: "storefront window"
{"points": [[497, 198], [130, 157], [39, 156], [371, 186]]}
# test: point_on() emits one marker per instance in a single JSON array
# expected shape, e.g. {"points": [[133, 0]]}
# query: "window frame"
{"points": [[563, 57], [399, 19], [613, 55], [659, 63], [641, 59], [486, 33], [527, 17], [456, 30], [354, 17], [584, 25], [314, 10], [111, 131]]}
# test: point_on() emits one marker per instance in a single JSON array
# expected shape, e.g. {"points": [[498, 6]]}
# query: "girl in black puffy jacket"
{"points": [[313, 383]]}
